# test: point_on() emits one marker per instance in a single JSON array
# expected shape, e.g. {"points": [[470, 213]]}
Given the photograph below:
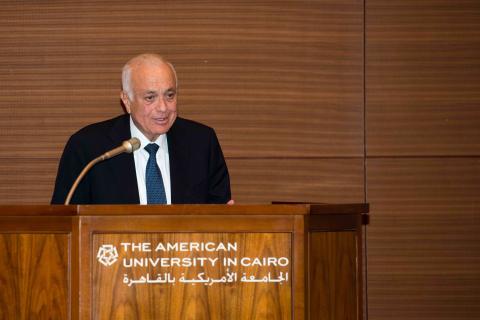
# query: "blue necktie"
{"points": [[153, 178]]}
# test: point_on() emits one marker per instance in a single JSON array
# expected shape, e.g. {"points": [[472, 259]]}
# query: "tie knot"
{"points": [[152, 148]]}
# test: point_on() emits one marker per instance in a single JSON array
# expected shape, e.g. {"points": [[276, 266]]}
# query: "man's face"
{"points": [[154, 104]]}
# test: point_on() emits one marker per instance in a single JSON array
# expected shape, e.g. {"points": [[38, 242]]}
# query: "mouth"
{"points": [[161, 120]]}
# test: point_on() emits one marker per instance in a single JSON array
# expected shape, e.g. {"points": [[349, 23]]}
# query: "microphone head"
{"points": [[131, 145]]}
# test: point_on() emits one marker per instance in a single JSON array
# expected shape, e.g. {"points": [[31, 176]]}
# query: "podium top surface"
{"points": [[199, 209]]}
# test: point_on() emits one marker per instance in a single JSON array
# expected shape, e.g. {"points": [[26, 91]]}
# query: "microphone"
{"points": [[127, 146]]}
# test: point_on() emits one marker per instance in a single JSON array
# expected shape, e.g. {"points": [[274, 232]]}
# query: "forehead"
{"points": [[152, 77]]}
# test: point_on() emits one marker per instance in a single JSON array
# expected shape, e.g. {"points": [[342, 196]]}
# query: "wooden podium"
{"points": [[181, 262]]}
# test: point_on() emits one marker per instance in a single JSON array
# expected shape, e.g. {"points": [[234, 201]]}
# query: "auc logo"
{"points": [[107, 254]]}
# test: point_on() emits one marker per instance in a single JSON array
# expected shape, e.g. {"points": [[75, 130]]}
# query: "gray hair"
{"points": [[127, 71]]}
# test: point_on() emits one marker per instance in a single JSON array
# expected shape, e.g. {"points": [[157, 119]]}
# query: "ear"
{"points": [[126, 101]]}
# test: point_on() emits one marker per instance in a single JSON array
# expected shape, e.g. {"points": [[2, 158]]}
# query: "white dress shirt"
{"points": [[141, 158]]}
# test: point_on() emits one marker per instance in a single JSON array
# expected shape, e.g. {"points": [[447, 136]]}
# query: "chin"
{"points": [[162, 130]]}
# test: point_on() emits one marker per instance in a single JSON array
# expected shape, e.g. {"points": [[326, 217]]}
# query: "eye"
{"points": [[170, 95], [150, 98]]}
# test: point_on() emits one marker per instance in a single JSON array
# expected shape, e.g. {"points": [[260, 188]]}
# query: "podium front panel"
{"points": [[191, 276], [179, 267], [35, 267]]}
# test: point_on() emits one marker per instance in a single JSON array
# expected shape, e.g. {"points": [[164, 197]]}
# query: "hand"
{"points": [[231, 202]]}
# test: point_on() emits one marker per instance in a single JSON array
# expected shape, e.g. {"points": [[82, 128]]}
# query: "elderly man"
{"points": [[179, 161]]}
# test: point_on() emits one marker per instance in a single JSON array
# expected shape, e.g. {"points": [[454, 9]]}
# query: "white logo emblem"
{"points": [[107, 255]]}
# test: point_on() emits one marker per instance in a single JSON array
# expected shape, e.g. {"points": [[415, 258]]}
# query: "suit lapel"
{"points": [[178, 157], [125, 164]]}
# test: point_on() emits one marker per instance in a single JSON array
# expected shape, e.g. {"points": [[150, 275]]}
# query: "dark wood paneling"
{"points": [[422, 97], [307, 180], [278, 78], [27, 180], [423, 77], [424, 238], [273, 78], [333, 275], [253, 180], [34, 276]]}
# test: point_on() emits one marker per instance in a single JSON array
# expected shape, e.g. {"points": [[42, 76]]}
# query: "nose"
{"points": [[161, 105]]}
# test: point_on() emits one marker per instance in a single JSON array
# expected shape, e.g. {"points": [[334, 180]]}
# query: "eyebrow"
{"points": [[154, 92]]}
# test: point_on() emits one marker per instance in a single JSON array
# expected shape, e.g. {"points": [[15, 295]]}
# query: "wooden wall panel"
{"points": [[424, 238], [28, 181], [304, 180], [274, 78], [282, 84], [422, 166], [423, 77]]}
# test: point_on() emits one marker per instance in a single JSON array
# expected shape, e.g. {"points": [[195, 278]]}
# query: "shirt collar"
{"points": [[161, 140]]}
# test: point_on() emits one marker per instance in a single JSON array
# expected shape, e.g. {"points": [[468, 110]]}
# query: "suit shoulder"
{"points": [[90, 142], [99, 129], [192, 127]]}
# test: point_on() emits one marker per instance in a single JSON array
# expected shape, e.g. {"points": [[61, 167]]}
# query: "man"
{"points": [[188, 167]]}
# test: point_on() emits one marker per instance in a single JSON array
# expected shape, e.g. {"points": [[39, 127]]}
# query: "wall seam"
{"points": [[365, 255]]}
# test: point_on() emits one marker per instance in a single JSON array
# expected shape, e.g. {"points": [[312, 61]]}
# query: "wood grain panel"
{"points": [[253, 180], [34, 276], [27, 181], [273, 78], [423, 77], [113, 299], [306, 180], [424, 238], [333, 275], [255, 70]]}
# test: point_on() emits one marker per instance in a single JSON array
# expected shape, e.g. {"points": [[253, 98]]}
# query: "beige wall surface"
{"points": [[318, 101]]}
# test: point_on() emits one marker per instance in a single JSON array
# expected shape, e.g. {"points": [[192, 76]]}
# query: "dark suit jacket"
{"points": [[198, 172]]}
